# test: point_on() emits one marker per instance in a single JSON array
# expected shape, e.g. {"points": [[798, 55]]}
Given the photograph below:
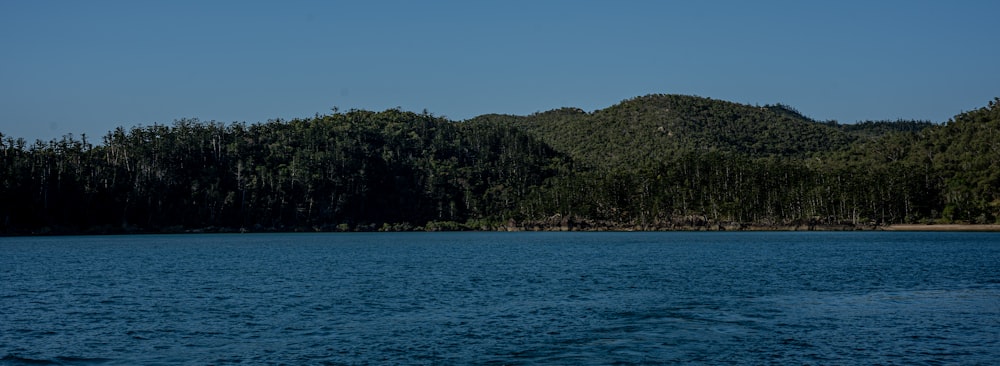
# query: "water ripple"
{"points": [[776, 298]]}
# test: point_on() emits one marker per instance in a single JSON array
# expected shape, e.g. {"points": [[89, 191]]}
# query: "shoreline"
{"points": [[544, 227], [944, 227]]}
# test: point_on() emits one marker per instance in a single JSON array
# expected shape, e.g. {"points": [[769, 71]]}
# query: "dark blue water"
{"points": [[499, 298]]}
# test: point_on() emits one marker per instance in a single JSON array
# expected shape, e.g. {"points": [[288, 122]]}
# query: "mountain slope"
{"points": [[657, 162], [965, 152], [652, 128]]}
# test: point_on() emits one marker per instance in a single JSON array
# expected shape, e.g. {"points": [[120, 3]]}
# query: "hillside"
{"points": [[868, 130], [358, 170], [655, 158], [651, 128], [658, 162]]}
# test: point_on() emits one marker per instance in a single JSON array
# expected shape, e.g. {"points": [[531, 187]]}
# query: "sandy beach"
{"points": [[943, 227]]}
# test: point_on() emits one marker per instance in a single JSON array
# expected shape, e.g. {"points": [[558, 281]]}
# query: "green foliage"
{"points": [[358, 170], [876, 129], [646, 130], [653, 162]]}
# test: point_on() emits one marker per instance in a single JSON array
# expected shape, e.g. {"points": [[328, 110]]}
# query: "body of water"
{"points": [[502, 298]]}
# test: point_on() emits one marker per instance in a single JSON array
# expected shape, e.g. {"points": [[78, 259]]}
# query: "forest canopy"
{"points": [[656, 162]]}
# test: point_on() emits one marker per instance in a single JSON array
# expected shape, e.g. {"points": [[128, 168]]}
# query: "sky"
{"points": [[87, 67]]}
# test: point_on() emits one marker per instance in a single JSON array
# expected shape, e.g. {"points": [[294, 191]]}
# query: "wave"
{"points": [[13, 359]]}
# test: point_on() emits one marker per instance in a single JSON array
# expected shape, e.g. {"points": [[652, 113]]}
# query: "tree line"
{"points": [[358, 170], [653, 162]]}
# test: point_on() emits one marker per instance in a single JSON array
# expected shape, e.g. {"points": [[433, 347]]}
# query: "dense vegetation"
{"points": [[653, 162]]}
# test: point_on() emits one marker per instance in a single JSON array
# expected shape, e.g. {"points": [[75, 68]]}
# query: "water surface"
{"points": [[502, 298]]}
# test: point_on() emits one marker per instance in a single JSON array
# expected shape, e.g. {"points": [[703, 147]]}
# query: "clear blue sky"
{"points": [[89, 66]]}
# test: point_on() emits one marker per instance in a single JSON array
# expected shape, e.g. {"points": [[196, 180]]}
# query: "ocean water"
{"points": [[502, 298]]}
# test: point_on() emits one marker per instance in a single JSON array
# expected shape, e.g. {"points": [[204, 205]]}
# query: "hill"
{"points": [[358, 170], [649, 160], [657, 162], [651, 128]]}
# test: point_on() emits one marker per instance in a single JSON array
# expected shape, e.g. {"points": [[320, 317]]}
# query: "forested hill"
{"points": [[658, 162], [358, 170], [652, 128]]}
